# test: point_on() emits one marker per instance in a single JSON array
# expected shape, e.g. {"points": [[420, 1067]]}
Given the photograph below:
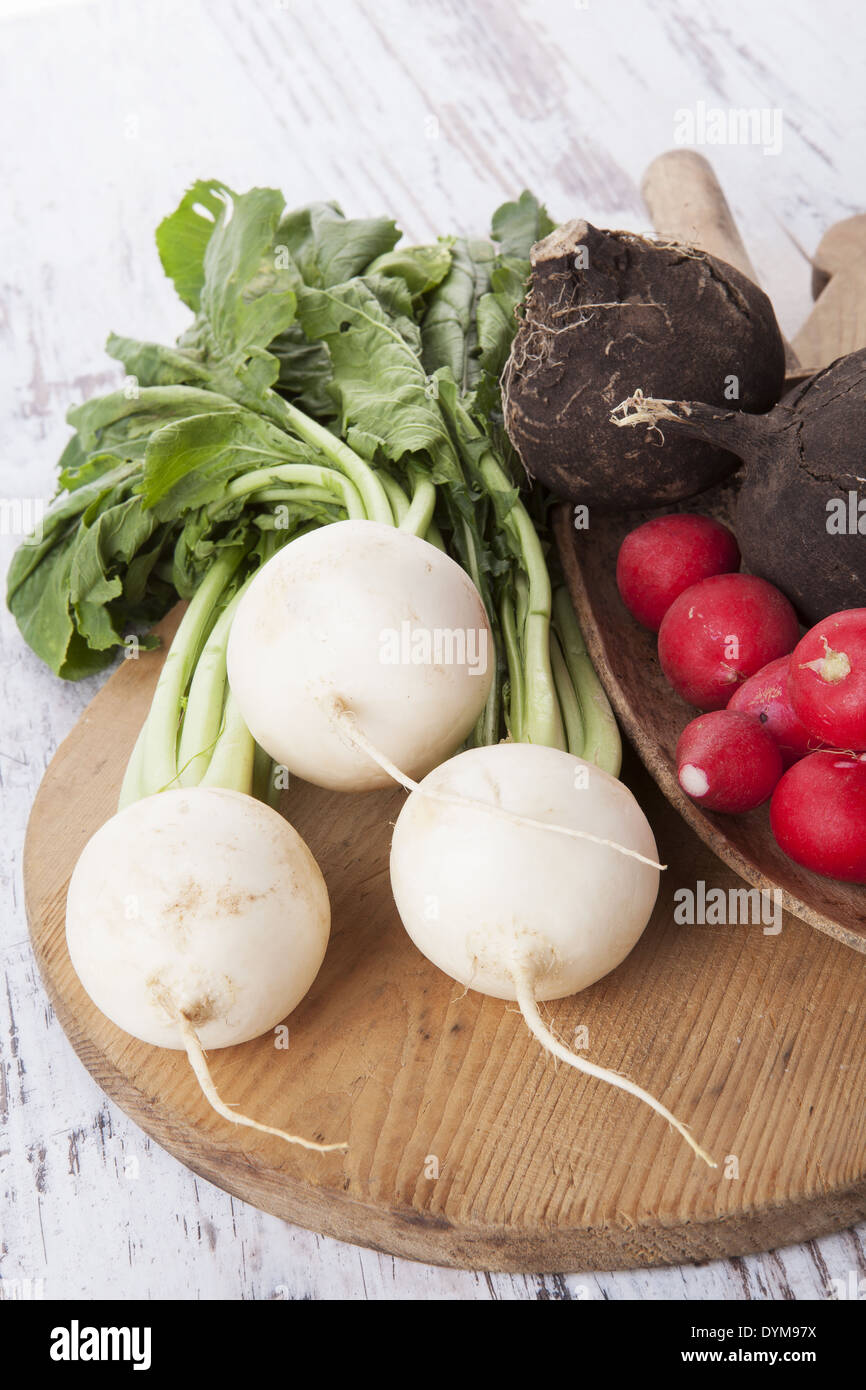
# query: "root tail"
{"points": [[198, 1062], [529, 1008]]}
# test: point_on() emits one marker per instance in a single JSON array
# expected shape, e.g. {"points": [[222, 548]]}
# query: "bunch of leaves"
{"points": [[308, 328]]}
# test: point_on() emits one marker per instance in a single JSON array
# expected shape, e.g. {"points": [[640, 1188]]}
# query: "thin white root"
{"points": [[529, 1008], [349, 723], [639, 409], [198, 1062]]}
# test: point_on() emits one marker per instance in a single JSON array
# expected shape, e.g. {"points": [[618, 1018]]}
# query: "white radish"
{"points": [[198, 918], [360, 629], [527, 874]]}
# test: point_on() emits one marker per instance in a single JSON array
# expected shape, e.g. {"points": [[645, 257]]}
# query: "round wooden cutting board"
{"points": [[468, 1145]]}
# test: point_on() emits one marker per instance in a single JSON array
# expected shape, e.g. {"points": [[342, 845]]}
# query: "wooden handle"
{"points": [[686, 203], [837, 323], [841, 250]]}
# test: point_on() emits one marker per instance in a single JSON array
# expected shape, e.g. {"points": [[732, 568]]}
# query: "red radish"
{"points": [[721, 631], [818, 814], [668, 554], [766, 697], [728, 761], [827, 679]]}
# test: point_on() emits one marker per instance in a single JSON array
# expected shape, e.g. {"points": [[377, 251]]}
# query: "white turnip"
{"points": [[528, 874], [198, 918], [359, 628]]}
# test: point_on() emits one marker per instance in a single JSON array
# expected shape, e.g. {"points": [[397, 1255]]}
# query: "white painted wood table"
{"points": [[432, 111]]}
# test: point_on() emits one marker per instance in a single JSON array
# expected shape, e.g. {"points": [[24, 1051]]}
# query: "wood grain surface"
{"points": [[433, 111], [468, 1146]]}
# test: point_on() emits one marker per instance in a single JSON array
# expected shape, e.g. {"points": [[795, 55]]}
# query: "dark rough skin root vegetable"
{"points": [[801, 514], [666, 555], [827, 679], [607, 310], [720, 632], [728, 761], [818, 815], [765, 696]]}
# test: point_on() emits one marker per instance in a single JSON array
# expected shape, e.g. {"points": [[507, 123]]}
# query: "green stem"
{"points": [[515, 669], [263, 769], [296, 495], [569, 704], [203, 716], [233, 759], [521, 603], [367, 482], [131, 787], [396, 496], [265, 479], [434, 536], [161, 730], [542, 722], [602, 744], [291, 529], [488, 727], [420, 513]]}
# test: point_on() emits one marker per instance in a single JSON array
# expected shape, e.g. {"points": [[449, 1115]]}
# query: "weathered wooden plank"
{"points": [[111, 110]]}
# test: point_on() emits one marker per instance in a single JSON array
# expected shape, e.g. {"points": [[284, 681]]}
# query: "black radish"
{"points": [[606, 311], [801, 510]]}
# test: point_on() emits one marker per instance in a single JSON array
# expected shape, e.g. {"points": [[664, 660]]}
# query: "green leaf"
{"points": [[115, 428], [52, 586], [247, 296], [305, 372], [470, 322], [496, 321], [421, 267], [98, 561], [183, 236], [518, 226], [119, 415], [386, 396], [189, 462], [496, 327], [245, 299], [152, 364], [448, 330], [328, 248]]}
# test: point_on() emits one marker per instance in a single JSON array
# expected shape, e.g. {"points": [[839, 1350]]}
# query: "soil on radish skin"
{"points": [[605, 310]]}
